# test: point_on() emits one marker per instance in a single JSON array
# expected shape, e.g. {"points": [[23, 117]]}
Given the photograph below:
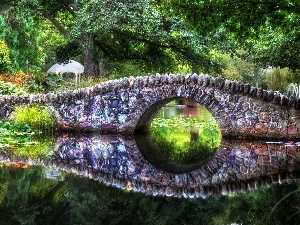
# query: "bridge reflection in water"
{"points": [[129, 162]]}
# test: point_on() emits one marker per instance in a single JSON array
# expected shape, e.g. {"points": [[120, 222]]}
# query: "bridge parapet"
{"points": [[128, 105]]}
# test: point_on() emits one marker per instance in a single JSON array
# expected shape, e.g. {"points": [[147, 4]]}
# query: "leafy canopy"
{"points": [[5, 61], [110, 31], [268, 29]]}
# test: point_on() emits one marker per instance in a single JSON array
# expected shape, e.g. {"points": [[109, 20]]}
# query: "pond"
{"points": [[117, 179]]}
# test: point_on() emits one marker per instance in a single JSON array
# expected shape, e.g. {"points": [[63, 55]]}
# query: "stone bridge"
{"points": [[128, 105]]}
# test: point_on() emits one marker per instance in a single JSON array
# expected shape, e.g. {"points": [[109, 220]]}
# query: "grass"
{"points": [[186, 140], [69, 83], [37, 117]]}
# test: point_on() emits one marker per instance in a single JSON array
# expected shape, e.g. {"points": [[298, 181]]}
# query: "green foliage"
{"points": [[157, 36], [186, 140], [7, 88], [141, 35], [38, 146], [5, 62], [106, 31], [125, 69], [22, 34], [241, 67], [268, 29], [275, 79], [38, 117], [46, 83], [24, 134], [15, 135]]}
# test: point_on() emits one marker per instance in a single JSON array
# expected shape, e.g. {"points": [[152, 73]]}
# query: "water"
{"points": [[115, 179], [171, 111], [185, 135]]}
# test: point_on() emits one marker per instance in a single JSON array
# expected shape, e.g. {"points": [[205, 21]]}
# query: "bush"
{"points": [[20, 78], [37, 117], [7, 88], [45, 83]]}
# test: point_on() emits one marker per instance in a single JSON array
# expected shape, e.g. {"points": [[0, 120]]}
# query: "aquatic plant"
{"points": [[186, 141], [37, 117], [14, 135], [25, 141]]}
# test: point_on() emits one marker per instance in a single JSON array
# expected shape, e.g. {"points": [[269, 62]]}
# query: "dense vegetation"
{"points": [[268, 29], [232, 39], [37, 117]]}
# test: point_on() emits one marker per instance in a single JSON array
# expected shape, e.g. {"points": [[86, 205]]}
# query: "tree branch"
{"points": [[61, 29]]}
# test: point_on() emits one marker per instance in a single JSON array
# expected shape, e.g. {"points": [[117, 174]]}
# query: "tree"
{"points": [[268, 28], [22, 36], [5, 61], [120, 30]]}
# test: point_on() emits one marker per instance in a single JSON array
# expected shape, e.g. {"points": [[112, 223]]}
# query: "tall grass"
{"points": [[37, 117]]}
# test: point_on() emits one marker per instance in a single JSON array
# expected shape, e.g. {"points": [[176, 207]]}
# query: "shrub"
{"points": [[37, 117], [20, 78], [7, 88]]}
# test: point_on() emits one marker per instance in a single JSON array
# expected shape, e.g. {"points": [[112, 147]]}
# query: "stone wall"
{"points": [[128, 105]]}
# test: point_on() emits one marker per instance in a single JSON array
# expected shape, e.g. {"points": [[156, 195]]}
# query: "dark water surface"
{"points": [[115, 179]]}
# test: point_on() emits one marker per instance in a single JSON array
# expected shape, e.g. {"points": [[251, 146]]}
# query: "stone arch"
{"points": [[202, 95]]}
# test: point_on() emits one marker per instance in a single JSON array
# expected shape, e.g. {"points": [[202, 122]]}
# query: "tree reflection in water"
{"points": [[134, 163], [186, 140], [29, 197]]}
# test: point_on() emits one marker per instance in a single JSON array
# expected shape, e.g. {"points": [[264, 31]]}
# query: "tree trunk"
{"points": [[91, 64]]}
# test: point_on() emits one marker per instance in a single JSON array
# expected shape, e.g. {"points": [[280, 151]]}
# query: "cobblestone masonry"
{"points": [[128, 105]]}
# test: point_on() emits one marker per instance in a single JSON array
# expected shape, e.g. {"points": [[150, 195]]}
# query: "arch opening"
{"points": [[182, 131]]}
